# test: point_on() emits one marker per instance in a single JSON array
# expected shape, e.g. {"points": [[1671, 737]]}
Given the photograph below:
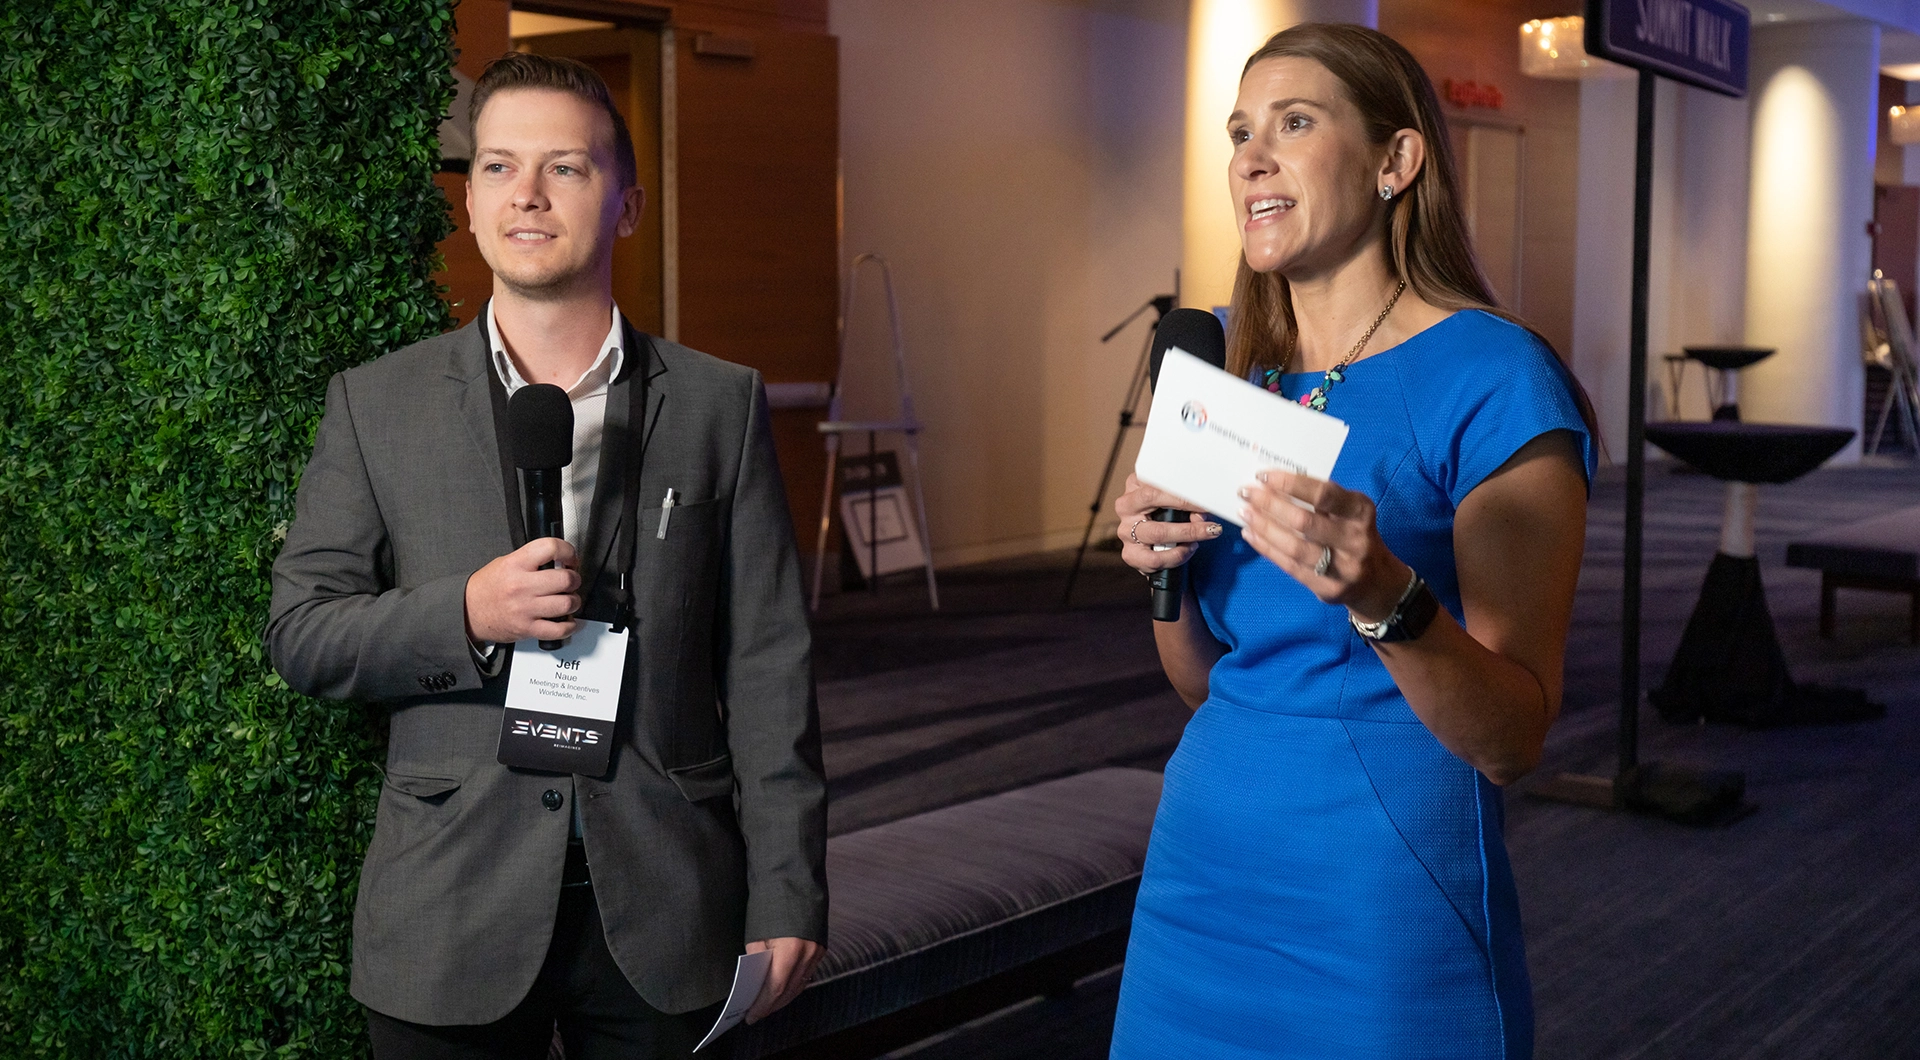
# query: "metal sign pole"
{"points": [[1636, 444], [1709, 52]]}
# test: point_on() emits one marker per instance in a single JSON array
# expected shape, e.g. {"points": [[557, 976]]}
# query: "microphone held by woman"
{"points": [[1199, 333]]}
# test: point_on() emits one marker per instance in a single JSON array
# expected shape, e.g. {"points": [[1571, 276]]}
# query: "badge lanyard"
{"points": [[562, 706], [624, 545]]}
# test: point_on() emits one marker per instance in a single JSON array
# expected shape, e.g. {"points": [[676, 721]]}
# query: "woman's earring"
{"points": [[1386, 193]]}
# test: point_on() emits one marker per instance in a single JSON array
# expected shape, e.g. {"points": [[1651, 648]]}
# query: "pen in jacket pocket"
{"points": [[666, 512]]}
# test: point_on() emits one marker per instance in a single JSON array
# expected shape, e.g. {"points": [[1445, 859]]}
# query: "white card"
{"points": [[1209, 432], [749, 974], [580, 680]]}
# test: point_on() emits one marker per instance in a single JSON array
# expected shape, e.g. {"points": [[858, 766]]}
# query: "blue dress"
{"points": [[1324, 879]]}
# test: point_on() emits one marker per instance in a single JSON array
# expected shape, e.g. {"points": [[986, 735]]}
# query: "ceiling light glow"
{"points": [[1555, 48]]}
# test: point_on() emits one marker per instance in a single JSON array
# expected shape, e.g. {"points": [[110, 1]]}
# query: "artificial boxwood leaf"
{"points": [[211, 206]]}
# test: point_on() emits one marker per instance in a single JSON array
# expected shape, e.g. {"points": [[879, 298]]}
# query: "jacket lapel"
{"points": [[468, 366]]}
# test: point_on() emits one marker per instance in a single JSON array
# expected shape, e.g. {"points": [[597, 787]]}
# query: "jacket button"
{"points": [[552, 800]]}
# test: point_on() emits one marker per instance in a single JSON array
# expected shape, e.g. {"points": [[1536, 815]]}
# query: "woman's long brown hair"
{"points": [[1427, 231]]}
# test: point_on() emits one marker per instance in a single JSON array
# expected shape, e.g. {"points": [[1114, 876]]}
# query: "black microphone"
{"points": [[1197, 332], [540, 427]]}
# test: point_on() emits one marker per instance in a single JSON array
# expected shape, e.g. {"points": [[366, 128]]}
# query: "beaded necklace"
{"points": [[1316, 399]]}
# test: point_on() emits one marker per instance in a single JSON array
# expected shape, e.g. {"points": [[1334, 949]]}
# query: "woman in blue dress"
{"points": [[1327, 876]]}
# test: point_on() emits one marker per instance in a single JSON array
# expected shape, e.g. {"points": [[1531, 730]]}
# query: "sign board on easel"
{"points": [[874, 510]]}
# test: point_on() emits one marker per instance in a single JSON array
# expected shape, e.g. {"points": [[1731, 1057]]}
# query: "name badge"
{"points": [[561, 704]]}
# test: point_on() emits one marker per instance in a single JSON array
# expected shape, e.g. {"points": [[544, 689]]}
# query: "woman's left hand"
{"points": [[1334, 549]]}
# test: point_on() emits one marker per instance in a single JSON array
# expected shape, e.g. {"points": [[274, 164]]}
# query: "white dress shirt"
{"points": [[578, 479], [589, 396]]}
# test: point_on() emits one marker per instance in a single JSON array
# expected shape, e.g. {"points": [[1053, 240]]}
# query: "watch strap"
{"points": [[1411, 616]]}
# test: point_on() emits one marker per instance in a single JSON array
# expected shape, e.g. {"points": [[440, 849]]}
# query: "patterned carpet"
{"points": [[1793, 933]]}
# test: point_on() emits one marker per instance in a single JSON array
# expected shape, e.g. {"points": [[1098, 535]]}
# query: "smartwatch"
{"points": [[1410, 618]]}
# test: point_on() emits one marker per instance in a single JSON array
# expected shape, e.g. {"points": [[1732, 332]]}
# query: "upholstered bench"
{"points": [[942, 917], [1881, 553]]}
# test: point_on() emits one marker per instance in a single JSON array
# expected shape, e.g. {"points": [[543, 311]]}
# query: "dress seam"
{"points": [[1483, 945], [1413, 431], [1486, 912]]}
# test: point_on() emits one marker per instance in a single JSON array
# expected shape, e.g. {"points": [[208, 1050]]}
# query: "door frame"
{"points": [[1463, 158], [652, 17]]}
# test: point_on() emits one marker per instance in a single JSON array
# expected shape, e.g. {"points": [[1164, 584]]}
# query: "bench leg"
{"points": [[1827, 589]]}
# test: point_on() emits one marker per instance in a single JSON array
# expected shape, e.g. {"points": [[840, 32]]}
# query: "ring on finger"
{"points": [[1133, 531], [1321, 568]]}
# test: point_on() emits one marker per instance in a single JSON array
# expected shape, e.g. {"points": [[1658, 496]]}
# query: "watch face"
{"points": [[1417, 615]]}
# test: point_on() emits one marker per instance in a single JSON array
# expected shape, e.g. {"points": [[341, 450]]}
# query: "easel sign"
{"points": [[874, 511]]}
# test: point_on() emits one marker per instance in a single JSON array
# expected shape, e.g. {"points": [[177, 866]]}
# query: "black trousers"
{"points": [[579, 988]]}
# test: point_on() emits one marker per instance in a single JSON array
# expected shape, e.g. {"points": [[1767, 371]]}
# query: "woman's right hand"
{"points": [[1139, 531]]}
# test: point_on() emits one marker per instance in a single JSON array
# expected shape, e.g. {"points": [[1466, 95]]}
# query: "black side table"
{"points": [[1729, 666], [1723, 376]]}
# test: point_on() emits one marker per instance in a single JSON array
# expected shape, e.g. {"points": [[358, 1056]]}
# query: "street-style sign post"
{"points": [[1702, 43]]}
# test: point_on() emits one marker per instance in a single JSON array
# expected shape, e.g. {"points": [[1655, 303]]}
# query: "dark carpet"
{"points": [[1792, 933]]}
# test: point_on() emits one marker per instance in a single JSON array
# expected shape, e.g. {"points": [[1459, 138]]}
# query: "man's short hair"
{"points": [[525, 70]]}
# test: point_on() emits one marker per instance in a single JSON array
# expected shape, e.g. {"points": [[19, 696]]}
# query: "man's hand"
{"points": [[512, 599], [793, 961]]}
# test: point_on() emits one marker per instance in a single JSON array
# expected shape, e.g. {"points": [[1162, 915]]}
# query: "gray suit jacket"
{"points": [[709, 828]]}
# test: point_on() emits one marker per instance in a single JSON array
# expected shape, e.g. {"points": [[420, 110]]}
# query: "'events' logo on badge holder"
{"points": [[561, 704]]}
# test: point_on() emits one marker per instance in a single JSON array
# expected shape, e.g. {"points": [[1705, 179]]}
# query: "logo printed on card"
{"points": [[560, 733], [1194, 415]]}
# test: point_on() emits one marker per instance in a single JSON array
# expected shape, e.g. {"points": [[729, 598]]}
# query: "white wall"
{"points": [[1697, 267], [1815, 93], [1220, 36], [1019, 163], [1603, 255]]}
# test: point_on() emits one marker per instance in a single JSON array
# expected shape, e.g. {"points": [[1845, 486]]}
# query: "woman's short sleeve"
{"points": [[1501, 388]]}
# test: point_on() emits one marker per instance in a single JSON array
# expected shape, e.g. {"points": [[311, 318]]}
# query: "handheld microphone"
{"points": [[1197, 332], [540, 429]]}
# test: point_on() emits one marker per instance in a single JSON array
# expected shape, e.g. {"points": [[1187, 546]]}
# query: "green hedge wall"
{"points": [[209, 207]]}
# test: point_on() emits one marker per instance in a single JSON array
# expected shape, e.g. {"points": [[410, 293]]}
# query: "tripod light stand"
{"points": [[1161, 305]]}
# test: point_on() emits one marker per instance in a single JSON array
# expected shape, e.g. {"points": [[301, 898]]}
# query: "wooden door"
{"points": [[629, 59], [756, 168], [480, 34]]}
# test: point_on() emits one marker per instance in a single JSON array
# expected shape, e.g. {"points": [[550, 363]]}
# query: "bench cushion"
{"points": [[931, 903], [1886, 546]]}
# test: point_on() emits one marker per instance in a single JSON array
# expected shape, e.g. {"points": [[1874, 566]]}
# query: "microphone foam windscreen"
{"points": [[1196, 331], [540, 426]]}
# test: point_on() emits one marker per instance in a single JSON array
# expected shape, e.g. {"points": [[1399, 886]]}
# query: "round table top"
{"points": [[1750, 452], [1728, 358]]}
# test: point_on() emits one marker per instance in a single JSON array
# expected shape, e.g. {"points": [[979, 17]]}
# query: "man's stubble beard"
{"points": [[555, 282], [544, 285]]}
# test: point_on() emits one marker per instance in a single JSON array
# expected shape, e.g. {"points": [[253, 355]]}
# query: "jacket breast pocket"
{"points": [[680, 572], [712, 779], [692, 535]]}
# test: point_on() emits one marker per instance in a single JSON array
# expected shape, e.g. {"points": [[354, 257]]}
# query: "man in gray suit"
{"points": [[496, 901]]}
